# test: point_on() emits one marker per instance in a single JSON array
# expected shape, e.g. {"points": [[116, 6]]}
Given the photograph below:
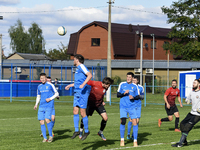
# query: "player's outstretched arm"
{"points": [[68, 86]]}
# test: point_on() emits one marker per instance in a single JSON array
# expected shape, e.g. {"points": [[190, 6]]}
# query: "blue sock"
{"points": [[122, 130], [135, 132], [76, 122], [43, 129], [49, 126], [129, 127], [53, 122], [85, 122]]}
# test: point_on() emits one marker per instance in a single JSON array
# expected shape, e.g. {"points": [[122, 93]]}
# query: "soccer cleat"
{"points": [[41, 135], [80, 135], [50, 139], [75, 134], [102, 136], [44, 140], [177, 145], [177, 130], [85, 135], [159, 122], [135, 144], [185, 143], [52, 133], [122, 143], [128, 137]]}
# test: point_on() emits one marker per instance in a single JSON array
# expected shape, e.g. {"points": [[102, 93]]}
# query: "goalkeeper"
{"points": [[193, 116]]}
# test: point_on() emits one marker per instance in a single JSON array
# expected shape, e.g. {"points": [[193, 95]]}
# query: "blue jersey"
{"points": [[125, 102], [80, 75], [45, 91], [141, 92]]}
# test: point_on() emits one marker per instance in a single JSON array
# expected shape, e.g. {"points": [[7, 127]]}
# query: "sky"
{"points": [[74, 14]]}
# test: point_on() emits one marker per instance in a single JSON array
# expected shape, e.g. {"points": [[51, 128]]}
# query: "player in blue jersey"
{"points": [[127, 92], [137, 108], [81, 93], [46, 92]]}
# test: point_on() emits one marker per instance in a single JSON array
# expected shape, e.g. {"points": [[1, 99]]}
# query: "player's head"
{"points": [[43, 78], [107, 82], [174, 83], [56, 79], [78, 59], [135, 80], [49, 79], [196, 84], [129, 77]]}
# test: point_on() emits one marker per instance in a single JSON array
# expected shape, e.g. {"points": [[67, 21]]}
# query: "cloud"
{"points": [[9, 2]]}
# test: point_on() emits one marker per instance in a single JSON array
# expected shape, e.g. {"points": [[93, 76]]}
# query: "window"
{"points": [[95, 42], [154, 44]]}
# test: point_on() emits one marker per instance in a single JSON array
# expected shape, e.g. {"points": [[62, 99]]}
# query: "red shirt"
{"points": [[96, 94], [171, 95]]}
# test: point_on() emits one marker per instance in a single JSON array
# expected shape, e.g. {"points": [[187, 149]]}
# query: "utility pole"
{"points": [[1, 18], [108, 93], [141, 55], [153, 65]]}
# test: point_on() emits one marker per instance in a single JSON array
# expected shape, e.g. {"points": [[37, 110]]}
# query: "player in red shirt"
{"points": [[95, 102], [170, 106]]}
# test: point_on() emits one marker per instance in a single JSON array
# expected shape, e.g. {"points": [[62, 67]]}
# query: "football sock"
{"points": [[101, 132], [85, 122], [176, 123], [183, 138], [122, 130], [165, 119], [129, 127], [82, 125], [103, 125], [43, 129], [76, 122], [49, 126], [135, 132], [53, 122]]}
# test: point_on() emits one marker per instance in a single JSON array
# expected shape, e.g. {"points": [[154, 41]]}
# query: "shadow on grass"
{"points": [[141, 138], [59, 134], [97, 144]]}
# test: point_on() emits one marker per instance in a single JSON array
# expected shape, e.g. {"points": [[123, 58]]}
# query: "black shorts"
{"points": [[171, 111], [90, 110]]}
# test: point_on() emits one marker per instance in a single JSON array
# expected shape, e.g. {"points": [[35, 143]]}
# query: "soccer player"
{"points": [[192, 117], [46, 92], [95, 102], [137, 107], [127, 92], [81, 93], [170, 106]]}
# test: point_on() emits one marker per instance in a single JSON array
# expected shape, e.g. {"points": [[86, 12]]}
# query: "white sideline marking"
{"points": [[148, 145]]}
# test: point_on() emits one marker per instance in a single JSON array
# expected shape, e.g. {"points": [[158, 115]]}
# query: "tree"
{"points": [[26, 42], [185, 34], [60, 53]]}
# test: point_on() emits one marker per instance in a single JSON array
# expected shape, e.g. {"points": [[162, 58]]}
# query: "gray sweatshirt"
{"points": [[194, 98]]}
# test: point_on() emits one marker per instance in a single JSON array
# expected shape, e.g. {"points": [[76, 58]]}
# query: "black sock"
{"points": [[176, 123], [183, 138], [103, 125], [165, 119], [82, 125]]}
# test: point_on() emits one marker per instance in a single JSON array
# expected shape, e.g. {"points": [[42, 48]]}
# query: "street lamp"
{"points": [[153, 65], [1, 18]]}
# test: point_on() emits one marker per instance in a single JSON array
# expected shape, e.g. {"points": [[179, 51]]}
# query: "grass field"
{"points": [[20, 128]]}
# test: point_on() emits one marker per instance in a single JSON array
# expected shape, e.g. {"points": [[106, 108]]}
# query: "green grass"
{"points": [[20, 128]]}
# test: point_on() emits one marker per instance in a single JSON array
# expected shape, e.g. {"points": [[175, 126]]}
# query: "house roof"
{"points": [[124, 37], [31, 56]]}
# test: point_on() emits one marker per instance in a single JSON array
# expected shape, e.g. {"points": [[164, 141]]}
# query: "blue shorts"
{"points": [[45, 113], [137, 109], [53, 112], [81, 97], [125, 111]]}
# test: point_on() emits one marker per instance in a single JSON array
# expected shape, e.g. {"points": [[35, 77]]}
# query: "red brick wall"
{"points": [[93, 52]]}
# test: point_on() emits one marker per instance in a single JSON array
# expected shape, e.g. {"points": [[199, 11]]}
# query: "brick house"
{"points": [[91, 41]]}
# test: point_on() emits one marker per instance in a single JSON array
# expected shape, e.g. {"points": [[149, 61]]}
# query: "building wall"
{"points": [[93, 52]]}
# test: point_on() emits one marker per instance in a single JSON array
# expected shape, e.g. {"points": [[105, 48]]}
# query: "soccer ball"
{"points": [[62, 30], [198, 110]]}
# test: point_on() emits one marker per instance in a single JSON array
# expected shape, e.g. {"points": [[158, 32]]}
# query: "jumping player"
{"points": [[95, 102], [127, 92], [81, 93], [170, 106], [46, 92], [192, 117]]}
